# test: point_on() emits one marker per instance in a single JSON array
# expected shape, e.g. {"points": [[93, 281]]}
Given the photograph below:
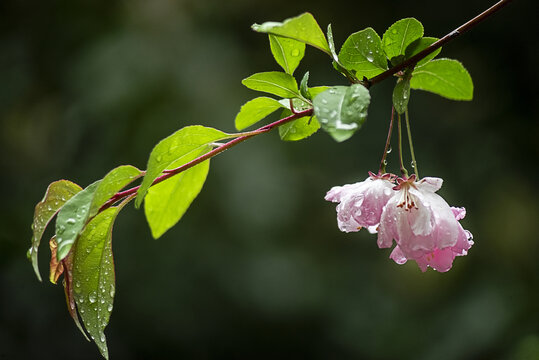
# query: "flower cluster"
{"points": [[425, 228]]}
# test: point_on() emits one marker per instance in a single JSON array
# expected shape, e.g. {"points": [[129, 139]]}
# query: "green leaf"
{"points": [[255, 110], [167, 201], [342, 110], [419, 45], [72, 218], [113, 182], [287, 52], [445, 77], [399, 35], [177, 149], [304, 88], [55, 197], [302, 28], [401, 95], [331, 44], [316, 90], [67, 264], [363, 53], [298, 129], [93, 276], [273, 82]]}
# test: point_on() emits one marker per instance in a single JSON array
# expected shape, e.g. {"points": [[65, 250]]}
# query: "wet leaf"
{"points": [[273, 82], [55, 197], [298, 129], [167, 201], [401, 95], [255, 110], [342, 110], [304, 88], [363, 53], [302, 28], [419, 45], [287, 52], [56, 268], [72, 218], [93, 276], [113, 182], [178, 148], [67, 264], [399, 35], [445, 77]]}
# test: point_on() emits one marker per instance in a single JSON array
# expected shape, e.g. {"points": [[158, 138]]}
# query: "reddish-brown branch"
{"points": [[210, 154], [447, 38]]}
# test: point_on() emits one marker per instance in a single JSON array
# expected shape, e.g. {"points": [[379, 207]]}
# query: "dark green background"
{"points": [[258, 269]]}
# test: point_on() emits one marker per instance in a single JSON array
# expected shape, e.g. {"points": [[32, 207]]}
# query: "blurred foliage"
{"points": [[257, 268]]}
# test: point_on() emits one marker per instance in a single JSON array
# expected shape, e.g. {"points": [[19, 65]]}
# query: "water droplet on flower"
{"points": [[369, 57], [109, 308], [91, 298], [70, 221], [385, 162], [412, 164], [102, 338], [389, 149]]}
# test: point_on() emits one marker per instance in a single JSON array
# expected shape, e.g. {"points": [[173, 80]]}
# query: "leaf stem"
{"points": [[414, 162], [383, 162], [404, 172], [210, 154], [444, 40]]}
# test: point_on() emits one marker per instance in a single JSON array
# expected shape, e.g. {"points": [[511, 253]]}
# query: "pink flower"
{"points": [[361, 204], [423, 225]]}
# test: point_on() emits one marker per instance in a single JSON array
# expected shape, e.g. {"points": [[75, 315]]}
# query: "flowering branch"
{"points": [[438, 44]]}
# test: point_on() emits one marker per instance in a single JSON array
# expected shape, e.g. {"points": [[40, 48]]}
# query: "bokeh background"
{"points": [[257, 268]]}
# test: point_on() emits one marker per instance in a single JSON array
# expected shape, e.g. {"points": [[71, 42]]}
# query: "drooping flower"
{"points": [[424, 226], [361, 204]]}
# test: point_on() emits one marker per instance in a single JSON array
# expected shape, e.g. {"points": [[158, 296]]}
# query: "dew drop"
{"points": [[385, 162], [389, 149], [324, 101], [369, 57], [109, 308], [91, 298], [412, 164], [70, 221], [112, 290], [102, 338]]}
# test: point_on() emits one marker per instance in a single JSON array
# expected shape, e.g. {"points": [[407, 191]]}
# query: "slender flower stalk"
{"points": [[404, 172], [414, 162], [383, 162]]}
